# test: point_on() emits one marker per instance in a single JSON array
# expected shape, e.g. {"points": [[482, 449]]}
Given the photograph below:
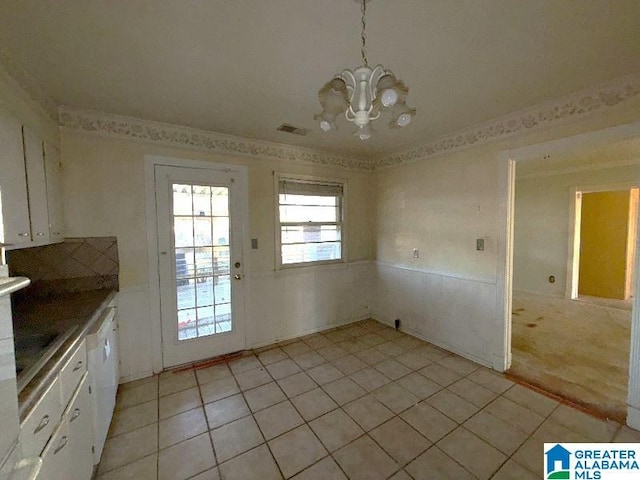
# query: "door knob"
{"points": [[237, 264]]}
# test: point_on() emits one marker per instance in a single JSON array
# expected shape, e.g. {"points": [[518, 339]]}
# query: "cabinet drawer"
{"points": [[56, 456], [80, 420], [40, 423], [71, 374]]}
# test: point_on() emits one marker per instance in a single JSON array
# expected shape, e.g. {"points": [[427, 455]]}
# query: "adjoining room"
{"points": [[574, 251]]}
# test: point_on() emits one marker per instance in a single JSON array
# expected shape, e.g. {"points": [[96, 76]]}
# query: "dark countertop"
{"points": [[75, 313]]}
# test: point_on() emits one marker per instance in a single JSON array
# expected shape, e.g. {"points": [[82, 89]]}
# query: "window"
{"points": [[310, 220]]}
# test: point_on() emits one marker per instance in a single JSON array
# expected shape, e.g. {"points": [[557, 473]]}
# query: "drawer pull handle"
{"points": [[61, 445], [23, 234], [76, 414], [40, 234], [43, 423], [78, 366]]}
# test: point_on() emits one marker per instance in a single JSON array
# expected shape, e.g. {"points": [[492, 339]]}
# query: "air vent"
{"points": [[285, 127]]}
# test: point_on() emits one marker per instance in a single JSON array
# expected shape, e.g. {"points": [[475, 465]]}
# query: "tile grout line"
{"points": [[406, 346]]}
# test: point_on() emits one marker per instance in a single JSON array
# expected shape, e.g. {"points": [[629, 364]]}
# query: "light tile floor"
{"points": [[361, 402]]}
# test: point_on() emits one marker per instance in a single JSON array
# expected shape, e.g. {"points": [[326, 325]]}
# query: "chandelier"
{"points": [[362, 94]]}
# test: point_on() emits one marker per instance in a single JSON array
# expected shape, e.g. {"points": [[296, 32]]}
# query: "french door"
{"points": [[199, 217]]}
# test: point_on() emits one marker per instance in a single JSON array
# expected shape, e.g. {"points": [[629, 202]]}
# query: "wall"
{"points": [[451, 295], [604, 229], [104, 195], [542, 212]]}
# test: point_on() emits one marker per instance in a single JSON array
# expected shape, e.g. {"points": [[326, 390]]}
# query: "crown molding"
{"points": [[24, 83], [165, 134], [548, 114]]}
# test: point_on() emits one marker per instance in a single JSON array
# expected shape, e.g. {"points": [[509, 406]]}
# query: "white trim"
{"points": [[458, 276], [150, 162], [140, 130], [444, 346], [505, 241], [559, 111], [309, 331], [575, 221], [573, 256], [343, 182], [530, 153], [322, 267], [552, 113]]}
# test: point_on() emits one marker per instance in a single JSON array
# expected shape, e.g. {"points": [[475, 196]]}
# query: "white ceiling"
{"points": [[245, 66]]}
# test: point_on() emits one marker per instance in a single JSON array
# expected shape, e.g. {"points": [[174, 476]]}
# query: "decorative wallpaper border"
{"points": [[177, 136], [551, 113]]}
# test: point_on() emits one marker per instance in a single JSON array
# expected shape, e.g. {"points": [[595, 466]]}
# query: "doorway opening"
{"points": [[564, 339], [603, 231]]}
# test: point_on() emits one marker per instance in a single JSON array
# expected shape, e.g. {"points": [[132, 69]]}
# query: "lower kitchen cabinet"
{"points": [[68, 454], [79, 418], [57, 455]]}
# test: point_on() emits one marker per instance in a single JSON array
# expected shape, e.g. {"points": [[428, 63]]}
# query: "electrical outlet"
{"points": [[416, 253], [254, 243], [480, 244]]}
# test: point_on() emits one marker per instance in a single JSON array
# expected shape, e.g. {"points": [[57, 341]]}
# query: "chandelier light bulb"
{"points": [[404, 119], [389, 97], [325, 125], [364, 132]]}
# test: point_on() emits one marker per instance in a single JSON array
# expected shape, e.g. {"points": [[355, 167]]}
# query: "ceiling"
{"points": [[243, 67]]}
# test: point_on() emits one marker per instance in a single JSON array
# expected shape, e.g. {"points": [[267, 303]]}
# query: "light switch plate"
{"points": [[480, 244], [254, 243]]}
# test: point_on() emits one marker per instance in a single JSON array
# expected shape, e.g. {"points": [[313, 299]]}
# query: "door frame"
{"points": [[507, 160], [575, 217], [150, 163]]}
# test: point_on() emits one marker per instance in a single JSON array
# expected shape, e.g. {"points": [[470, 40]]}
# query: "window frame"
{"points": [[342, 182]]}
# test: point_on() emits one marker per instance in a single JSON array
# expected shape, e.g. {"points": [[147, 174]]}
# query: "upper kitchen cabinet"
{"points": [[53, 171], [16, 227], [36, 187], [30, 193]]}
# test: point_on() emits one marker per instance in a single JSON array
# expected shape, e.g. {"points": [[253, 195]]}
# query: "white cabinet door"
{"points": [[37, 187], [56, 457], [15, 228], [53, 169], [80, 420]]}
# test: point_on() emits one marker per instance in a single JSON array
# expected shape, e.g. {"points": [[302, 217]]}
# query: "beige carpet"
{"points": [[576, 350]]}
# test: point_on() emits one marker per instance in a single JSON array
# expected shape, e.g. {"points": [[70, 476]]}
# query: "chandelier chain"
{"points": [[363, 35]]}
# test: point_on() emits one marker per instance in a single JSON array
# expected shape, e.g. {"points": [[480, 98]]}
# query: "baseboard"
{"points": [[444, 346], [306, 332], [633, 417], [135, 376]]}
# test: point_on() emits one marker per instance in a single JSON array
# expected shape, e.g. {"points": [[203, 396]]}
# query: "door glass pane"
{"points": [[202, 228], [202, 260], [186, 324], [201, 200], [223, 289], [221, 231], [183, 231], [220, 201], [182, 200]]}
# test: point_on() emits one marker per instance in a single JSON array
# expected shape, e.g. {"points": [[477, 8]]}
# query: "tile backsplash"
{"points": [[75, 265]]}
